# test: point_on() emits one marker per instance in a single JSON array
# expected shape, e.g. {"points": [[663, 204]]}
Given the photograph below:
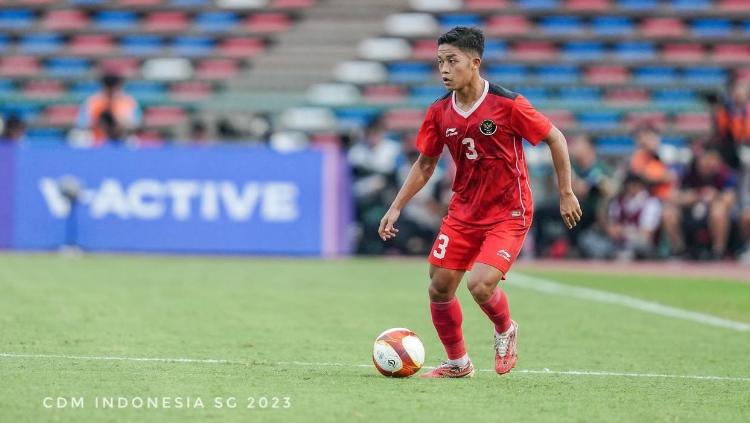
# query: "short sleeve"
{"points": [[428, 139], [527, 122]]}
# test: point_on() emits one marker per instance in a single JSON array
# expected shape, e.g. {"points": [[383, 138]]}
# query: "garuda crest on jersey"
{"points": [[487, 127]]}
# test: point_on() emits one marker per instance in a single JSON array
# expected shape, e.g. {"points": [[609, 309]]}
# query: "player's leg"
{"points": [[451, 255], [499, 251]]}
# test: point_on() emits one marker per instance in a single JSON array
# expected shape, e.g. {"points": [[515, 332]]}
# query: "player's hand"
{"points": [[570, 210], [386, 229]]}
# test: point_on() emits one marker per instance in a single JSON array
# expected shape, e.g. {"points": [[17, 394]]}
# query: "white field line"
{"points": [[312, 364], [555, 288]]}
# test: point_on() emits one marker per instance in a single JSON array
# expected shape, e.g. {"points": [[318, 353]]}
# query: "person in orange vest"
{"points": [[110, 114]]}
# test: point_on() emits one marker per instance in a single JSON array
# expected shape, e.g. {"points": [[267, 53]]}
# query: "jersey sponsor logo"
{"points": [[487, 127], [515, 213], [451, 132], [504, 254]]}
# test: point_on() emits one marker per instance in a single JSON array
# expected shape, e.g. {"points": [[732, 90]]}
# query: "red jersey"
{"points": [[492, 181]]}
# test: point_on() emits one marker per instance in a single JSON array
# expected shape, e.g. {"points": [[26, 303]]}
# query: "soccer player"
{"points": [[483, 126]]}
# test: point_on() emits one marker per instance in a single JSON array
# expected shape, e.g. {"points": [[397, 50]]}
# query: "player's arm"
{"points": [[420, 173], [570, 210]]}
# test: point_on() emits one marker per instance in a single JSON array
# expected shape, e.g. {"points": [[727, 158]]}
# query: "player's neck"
{"points": [[470, 94]]}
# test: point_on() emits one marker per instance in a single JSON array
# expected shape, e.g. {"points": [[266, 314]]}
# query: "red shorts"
{"points": [[458, 246]]}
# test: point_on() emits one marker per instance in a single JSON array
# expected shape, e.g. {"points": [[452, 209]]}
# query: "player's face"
{"points": [[456, 67]]}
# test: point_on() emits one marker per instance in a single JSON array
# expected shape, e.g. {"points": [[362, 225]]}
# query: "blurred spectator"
{"points": [[13, 130], [745, 232], [703, 207], [373, 159], [646, 163], [198, 132], [732, 123], [633, 220], [109, 115]]}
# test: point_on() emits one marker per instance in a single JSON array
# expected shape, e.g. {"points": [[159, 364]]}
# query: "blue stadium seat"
{"points": [[612, 25], [85, 88], [46, 136], [464, 19], [560, 74], [584, 50], [427, 93], [68, 66], [534, 93], [580, 95], [672, 96], [193, 45], [26, 111], [746, 27], [16, 18], [141, 44], [88, 2], [614, 144], [538, 4], [599, 120], [561, 24], [216, 21], [635, 50], [7, 87], [41, 43], [674, 140], [705, 76], [692, 4], [146, 90], [507, 72], [655, 75], [355, 117], [4, 42], [495, 49], [116, 20], [638, 4], [409, 72], [712, 27]]}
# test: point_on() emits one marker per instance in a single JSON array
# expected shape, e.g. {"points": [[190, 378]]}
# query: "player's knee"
{"points": [[481, 288], [440, 291]]}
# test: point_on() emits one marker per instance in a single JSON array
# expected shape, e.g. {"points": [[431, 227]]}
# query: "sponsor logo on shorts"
{"points": [[504, 254], [451, 132], [515, 213]]}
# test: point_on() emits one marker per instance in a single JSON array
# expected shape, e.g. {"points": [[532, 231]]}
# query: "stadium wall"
{"points": [[215, 200]]}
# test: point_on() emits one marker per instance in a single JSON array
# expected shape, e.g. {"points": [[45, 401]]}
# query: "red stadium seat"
{"points": [[662, 27], [606, 74], [508, 25], [267, 22], [163, 116], [166, 21], [485, 4], [60, 114], [683, 52], [534, 50], [587, 5], [292, 4], [91, 44], [743, 74], [241, 47], [45, 89], [634, 120], [693, 122], [731, 53], [140, 2], [382, 94], [125, 66], [424, 49], [191, 90], [217, 69], [563, 119], [734, 5], [627, 96], [65, 19], [19, 66], [403, 119]]}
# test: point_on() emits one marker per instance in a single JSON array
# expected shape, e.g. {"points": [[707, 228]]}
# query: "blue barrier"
{"points": [[235, 200]]}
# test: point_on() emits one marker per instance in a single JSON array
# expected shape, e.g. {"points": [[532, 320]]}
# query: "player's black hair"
{"points": [[471, 39]]}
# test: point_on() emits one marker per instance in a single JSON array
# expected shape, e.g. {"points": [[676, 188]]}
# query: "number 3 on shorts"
{"points": [[439, 252]]}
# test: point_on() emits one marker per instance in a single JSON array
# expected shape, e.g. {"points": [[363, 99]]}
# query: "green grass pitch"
{"points": [[303, 330]]}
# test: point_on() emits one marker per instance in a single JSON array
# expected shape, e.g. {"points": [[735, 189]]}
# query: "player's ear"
{"points": [[476, 61]]}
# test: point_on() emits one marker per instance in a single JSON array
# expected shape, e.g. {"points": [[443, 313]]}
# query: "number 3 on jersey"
{"points": [[439, 252], [472, 153]]}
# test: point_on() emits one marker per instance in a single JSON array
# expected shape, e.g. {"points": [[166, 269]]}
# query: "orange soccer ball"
{"points": [[398, 352]]}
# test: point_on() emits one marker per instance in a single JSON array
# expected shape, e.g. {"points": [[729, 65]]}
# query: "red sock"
{"points": [[447, 319], [496, 308]]}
